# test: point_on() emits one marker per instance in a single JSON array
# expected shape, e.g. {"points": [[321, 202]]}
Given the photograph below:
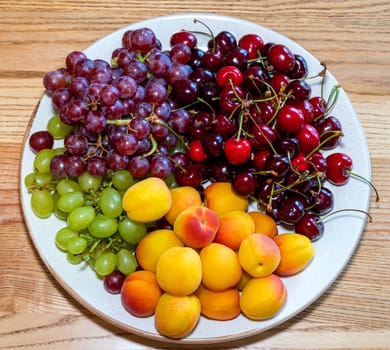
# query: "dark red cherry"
{"points": [[281, 58], [224, 125], [183, 37], [245, 183], [252, 43], [300, 68], [291, 210], [339, 167], [311, 226], [260, 159], [319, 106], [279, 83], [298, 90], [255, 79], [322, 201], [330, 131], [264, 135]]}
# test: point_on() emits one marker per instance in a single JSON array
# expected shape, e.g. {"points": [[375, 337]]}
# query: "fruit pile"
{"points": [[238, 112]]}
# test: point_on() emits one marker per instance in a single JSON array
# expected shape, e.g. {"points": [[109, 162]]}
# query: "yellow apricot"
{"points": [[221, 197], [222, 305], [296, 252], [147, 200], [182, 198], [264, 223], [176, 316], [263, 297]]}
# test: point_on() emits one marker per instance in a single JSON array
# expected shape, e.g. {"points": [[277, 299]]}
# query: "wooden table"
{"points": [[352, 37]]}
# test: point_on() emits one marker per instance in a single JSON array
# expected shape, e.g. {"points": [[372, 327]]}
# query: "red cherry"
{"points": [[300, 162], [231, 99], [306, 108], [339, 167], [260, 159], [229, 75], [183, 37], [237, 151], [281, 57], [319, 106], [264, 135], [308, 138], [311, 226], [195, 151], [252, 43], [279, 82], [290, 119]]}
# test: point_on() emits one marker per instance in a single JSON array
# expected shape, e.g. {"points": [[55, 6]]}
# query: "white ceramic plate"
{"points": [[332, 251]]}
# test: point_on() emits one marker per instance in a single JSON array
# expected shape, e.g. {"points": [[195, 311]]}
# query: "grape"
{"points": [[76, 245], [56, 211], [42, 160], [113, 282], [122, 179], [105, 263], [66, 186], [57, 128], [102, 226], [41, 179], [88, 183], [131, 231], [74, 259], [126, 262], [40, 140], [42, 203], [63, 236], [80, 218], [110, 202], [70, 201]]}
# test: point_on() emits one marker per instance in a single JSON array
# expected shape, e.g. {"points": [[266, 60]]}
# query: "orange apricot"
{"points": [[264, 223]]}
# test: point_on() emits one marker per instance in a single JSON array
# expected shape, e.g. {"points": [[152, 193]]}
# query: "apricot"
{"points": [[296, 252], [177, 316], [196, 226], [140, 293], [182, 198], [263, 297], [179, 271], [223, 305], [259, 255], [221, 197], [147, 200], [221, 267], [264, 223], [234, 226], [151, 246]]}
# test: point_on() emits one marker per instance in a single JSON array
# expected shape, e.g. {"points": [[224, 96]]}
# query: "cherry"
{"points": [[291, 210], [229, 75], [264, 135], [322, 201], [278, 165], [195, 151], [279, 82], [237, 57], [220, 170], [260, 159], [262, 112], [224, 125], [290, 119], [318, 162], [252, 43], [330, 132], [255, 78], [225, 41], [298, 90], [339, 167], [245, 183], [183, 37], [212, 59], [213, 144], [306, 108], [308, 138], [237, 151], [231, 98], [300, 162], [281, 58], [287, 146], [299, 69], [319, 106], [311, 226]]}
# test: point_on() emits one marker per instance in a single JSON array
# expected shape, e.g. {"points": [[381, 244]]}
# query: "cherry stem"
{"points": [[366, 181], [345, 210], [333, 134], [210, 31]]}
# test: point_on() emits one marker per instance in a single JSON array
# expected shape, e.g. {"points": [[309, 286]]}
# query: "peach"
{"points": [[234, 226], [140, 293], [196, 226], [223, 305], [263, 297], [264, 223], [179, 271], [151, 246], [296, 252], [220, 265], [259, 255], [221, 197], [177, 316], [147, 200], [182, 198]]}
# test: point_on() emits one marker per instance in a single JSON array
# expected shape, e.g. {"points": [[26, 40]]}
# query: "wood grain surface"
{"points": [[352, 37]]}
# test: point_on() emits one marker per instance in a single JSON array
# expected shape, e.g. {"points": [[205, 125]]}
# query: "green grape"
{"points": [[105, 263], [122, 179], [70, 201], [102, 226], [110, 202], [80, 218], [29, 180], [76, 245], [63, 236], [41, 179], [88, 182], [42, 203], [126, 262], [74, 259], [59, 150], [131, 231], [56, 211], [57, 128], [66, 186], [42, 160]]}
